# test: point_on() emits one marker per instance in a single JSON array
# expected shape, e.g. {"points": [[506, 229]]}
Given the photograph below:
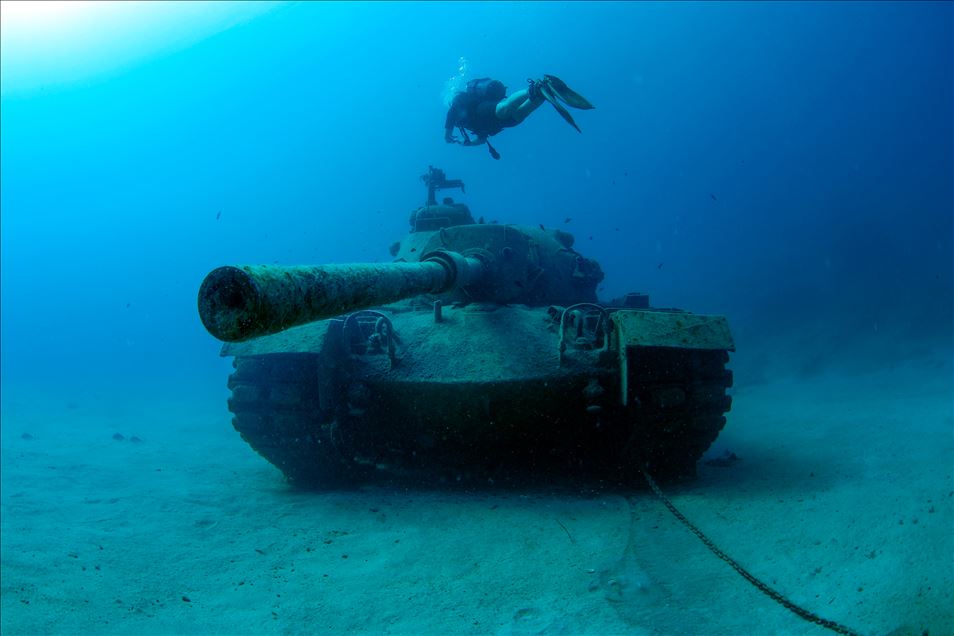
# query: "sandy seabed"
{"points": [[841, 500]]}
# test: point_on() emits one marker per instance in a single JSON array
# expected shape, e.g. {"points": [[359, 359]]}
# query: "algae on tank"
{"points": [[481, 354]]}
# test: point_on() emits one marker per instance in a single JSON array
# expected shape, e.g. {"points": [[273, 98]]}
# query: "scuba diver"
{"points": [[484, 108]]}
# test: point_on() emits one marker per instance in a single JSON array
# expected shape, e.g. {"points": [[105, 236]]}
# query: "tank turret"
{"points": [[446, 256]]}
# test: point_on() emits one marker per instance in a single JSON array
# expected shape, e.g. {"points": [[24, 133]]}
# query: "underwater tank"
{"points": [[480, 355]]}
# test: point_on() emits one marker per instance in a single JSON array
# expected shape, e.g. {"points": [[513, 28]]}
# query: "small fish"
{"points": [[118, 437], [481, 220], [543, 228], [128, 305], [518, 284], [659, 266], [591, 238], [568, 219], [713, 197], [218, 215], [616, 228], [413, 249]]}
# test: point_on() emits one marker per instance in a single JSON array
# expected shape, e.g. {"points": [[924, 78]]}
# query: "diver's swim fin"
{"points": [[565, 93], [548, 95]]}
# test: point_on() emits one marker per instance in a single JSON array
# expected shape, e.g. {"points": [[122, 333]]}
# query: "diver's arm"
{"points": [[449, 131], [450, 122]]}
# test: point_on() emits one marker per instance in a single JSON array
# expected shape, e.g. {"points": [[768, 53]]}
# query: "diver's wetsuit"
{"points": [[476, 115]]}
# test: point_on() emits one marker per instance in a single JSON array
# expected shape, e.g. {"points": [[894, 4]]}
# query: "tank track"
{"points": [[679, 403], [276, 409]]}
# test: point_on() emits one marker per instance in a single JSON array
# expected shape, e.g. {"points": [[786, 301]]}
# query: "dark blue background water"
{"points": [[788, 165]]}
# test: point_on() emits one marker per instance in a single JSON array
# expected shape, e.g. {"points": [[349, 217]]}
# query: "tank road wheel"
{"points": [[276, 410], [680, 400]]}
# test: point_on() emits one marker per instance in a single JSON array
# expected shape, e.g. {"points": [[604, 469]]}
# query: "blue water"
{"points": [[778, 163], [786, 165]]}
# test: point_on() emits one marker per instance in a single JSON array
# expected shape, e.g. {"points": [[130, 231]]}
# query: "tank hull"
{"points": [[484, 394]]}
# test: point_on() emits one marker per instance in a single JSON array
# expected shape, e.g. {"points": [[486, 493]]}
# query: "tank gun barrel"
{"points": [[239, 303]]}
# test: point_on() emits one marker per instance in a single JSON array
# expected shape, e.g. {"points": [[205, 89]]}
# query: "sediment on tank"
{"points": [[480, 355]]}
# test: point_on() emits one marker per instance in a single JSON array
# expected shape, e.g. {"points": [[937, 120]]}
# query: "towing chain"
{"points": [[801, 612]]}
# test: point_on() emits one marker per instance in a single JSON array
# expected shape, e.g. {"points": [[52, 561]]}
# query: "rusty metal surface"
{"points": [[680, 330]]}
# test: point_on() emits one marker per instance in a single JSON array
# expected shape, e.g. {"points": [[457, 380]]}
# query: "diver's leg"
{"points": [[517, 106], [507, 106], [528, 106]]}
